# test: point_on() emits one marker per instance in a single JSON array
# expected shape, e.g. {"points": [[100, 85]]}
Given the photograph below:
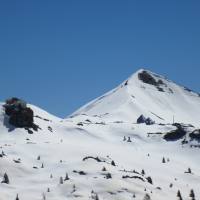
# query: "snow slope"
{"points": [[134, 97], [84, 144]]}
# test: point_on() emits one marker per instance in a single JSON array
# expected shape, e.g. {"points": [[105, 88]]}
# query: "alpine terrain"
{"points": [[140, 141]]}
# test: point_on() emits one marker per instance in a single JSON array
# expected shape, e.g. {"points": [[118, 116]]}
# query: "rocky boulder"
{"points": [[177, 134], [19, 114], [142, 119]]}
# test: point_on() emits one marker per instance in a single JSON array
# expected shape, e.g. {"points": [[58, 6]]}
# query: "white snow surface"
{"points": [[98, 130], [128, 102]]}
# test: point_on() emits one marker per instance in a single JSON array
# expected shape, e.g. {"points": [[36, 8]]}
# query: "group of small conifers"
{"points": [[191, 195]]}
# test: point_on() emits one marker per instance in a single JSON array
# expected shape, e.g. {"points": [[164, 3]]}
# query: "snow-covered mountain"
{"points": [[157, 97], [101, 152]]}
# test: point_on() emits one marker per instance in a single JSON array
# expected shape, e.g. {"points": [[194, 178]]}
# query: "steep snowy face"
{"points": [[149, 94]]}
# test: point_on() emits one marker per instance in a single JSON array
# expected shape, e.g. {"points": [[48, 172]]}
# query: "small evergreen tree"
{"points": [[143, 172], [163, 160], [104, 169], [179, 195], [124, 138], [66, 177], [17, 197], [113, 163], [192, 195], [189, 171], [149, 179], [5, 179], [129, 139], [3, 154]]}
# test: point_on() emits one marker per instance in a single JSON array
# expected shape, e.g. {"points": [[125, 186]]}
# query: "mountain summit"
{"points": [[149, 94]]}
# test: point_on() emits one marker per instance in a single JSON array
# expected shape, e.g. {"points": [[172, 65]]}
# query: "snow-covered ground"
{"points": [[102, 149]]}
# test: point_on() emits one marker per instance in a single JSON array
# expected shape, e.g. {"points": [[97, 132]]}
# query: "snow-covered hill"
{"points": [[162, 100], [100, 152]]}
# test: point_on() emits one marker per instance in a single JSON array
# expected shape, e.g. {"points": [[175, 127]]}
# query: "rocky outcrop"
{"points": [[195, 135], [20, 115], [147, 78], [142, 119], [177, 134]]}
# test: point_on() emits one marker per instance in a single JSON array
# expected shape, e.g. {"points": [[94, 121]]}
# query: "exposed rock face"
{"points": [[149, 121], [19, 114], [143, 119], [176, 134], [147, 78]]}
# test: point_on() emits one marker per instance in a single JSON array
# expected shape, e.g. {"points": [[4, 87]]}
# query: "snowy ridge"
{"points": [[134, 97], [102, 153]]}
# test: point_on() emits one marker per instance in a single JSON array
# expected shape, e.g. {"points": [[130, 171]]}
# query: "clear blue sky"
{"points": [[60, 54]]}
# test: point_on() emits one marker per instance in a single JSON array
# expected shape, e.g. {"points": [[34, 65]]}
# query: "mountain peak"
{"points": [[145, 75], [147, 79], [146, 93]]}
